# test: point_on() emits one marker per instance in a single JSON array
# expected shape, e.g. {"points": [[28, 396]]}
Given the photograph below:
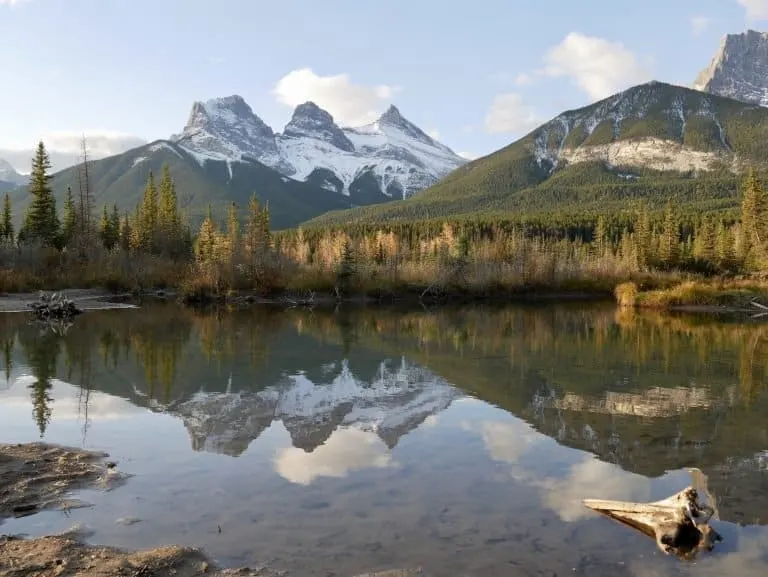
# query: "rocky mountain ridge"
{"points": [[739, 69], [402, 397], [391, 155], [9, 177]]}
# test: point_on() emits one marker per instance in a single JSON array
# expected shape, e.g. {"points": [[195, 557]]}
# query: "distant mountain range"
{"points": [[655, 141], [396, 403], [226, 153]]}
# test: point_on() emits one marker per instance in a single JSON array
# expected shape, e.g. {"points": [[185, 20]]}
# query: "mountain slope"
{"points": [[654, 140], [9, 178], [390, 158], [121, 179], [739, 69]]}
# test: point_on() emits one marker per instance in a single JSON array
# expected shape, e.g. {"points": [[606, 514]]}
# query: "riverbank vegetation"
{"points": [[670, 257]]}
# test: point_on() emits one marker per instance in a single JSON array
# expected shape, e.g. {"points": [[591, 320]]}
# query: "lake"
{"points": [[461, 441]]}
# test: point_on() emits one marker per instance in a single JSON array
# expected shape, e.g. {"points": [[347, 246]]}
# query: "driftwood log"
{"points": [[53, 307], [679, 524]]}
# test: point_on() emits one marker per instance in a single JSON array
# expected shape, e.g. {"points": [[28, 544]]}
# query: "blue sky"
{"points": [[478, 74]]}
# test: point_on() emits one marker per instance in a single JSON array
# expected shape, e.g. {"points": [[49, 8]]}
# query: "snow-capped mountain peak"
{"points": [[311, 121], [227, 129], [391, 157], [393, 117], [739, 69]]}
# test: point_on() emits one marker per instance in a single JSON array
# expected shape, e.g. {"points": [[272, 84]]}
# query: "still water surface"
{"points": [[459, 441]]}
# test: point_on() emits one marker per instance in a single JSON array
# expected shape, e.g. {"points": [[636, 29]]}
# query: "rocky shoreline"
{"points": [[36, 477]]}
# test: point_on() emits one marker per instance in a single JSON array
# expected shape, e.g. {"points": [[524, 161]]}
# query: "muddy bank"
{"points": [[85, 299], [35, 477], [65, 557]]}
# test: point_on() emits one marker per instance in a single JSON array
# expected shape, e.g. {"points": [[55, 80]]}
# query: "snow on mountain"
{"points": [[9, 174], [739, 69], [654, 125], [398, 156], [397, 401]]}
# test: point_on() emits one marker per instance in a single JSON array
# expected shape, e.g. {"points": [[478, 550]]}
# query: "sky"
{"points": [[477, 75]]}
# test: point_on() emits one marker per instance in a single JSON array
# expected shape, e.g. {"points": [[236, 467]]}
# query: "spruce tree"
{"points": [[109, 234], [724, 252], [600, 236], [147, 221], [41, 224], [754, 227], [126, 233], [233, 233], [670, 238], [207, 239], [705, 241], [7, 221], [168, 223], [114, 220], [643, 237], [69, 218]]}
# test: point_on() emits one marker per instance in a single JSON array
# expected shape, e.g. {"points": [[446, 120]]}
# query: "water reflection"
{"points": [[345, 423]]}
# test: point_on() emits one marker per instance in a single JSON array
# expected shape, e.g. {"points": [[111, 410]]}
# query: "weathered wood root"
{"points": [[679, 524], [54, 307]]}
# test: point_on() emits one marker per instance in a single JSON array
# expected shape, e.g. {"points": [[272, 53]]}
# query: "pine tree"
{"points": [[168, 222], [600, 236], [233, 233], [723, 246], [114, 221], [41, 224], [346, 270], [126, 233], [643, 237], [109, 234], [753, 221], [705, 241], [207, 239], [670, 238], [7, 221], [252, 227], [147, 217], [265, 231], [69, 218]]}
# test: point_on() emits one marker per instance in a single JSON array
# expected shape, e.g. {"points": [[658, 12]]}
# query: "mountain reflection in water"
{"points": [[366, 439]]}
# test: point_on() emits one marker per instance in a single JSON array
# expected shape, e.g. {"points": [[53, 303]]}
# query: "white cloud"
{"points": [[523, 79], [434, 134], [510, 113], [99, 143], [64, 148], [12, 2], [597, 66], [345, 451], [468, 155], [756, 9], [348, 103], [699, 24]]}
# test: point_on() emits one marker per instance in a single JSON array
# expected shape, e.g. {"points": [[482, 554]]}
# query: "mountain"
{"points": [[226, 153], [389, 158], [121, 179], [9, 178], [739, 69], [655, 141], [399, 400]]}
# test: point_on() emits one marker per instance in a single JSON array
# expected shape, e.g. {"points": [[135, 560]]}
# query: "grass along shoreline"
{"points": [[667, 291], [736, 295]]}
